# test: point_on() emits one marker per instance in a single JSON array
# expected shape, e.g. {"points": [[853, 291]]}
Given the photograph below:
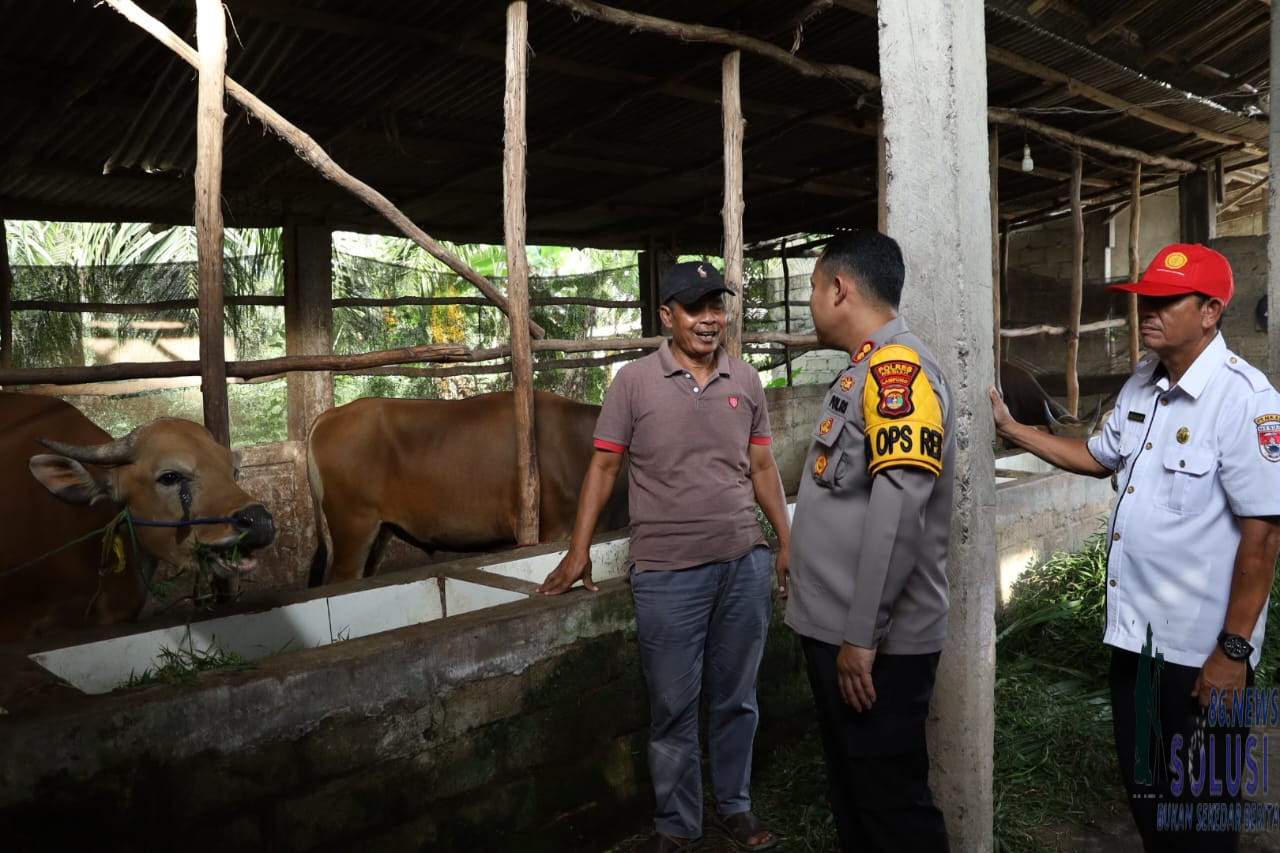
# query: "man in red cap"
{"points": [[1194, 442]]}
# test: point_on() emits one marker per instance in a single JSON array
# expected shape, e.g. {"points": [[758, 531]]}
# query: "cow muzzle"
{"points": [[255, 525]]}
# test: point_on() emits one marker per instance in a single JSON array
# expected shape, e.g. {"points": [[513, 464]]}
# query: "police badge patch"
{"points": [[1269, 436], [893, 380], [846, 382]]}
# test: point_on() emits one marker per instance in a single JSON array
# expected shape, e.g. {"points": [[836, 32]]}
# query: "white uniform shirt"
{"points": [[1189, 461]]}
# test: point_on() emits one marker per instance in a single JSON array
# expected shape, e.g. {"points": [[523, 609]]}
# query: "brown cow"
{"points": [[162, 471], [440, 474]]}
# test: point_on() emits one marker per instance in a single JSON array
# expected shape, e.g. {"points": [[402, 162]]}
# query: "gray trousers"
{"points": [[717, 613]]}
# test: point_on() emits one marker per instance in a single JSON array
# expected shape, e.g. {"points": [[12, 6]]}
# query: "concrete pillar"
{"points": [[934, 71], [1273, 227], [1197, 207], [308, 321]]}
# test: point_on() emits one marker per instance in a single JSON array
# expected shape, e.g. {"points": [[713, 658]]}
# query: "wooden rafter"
{"points": [[310, 151], [1123, 15], [1009, 59]]}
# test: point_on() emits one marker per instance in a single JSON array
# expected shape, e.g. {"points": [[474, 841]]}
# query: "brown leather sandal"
{"points": [[743, 827]]}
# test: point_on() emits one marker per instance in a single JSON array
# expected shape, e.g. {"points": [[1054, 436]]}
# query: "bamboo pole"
{"points": [[1077, 285], [211, 36], [993, 150], [1050, 329], [1135, 255], [786, 305], [425, 353], [1010, 117], [311, 152], [731, 213], [636, 21], [514, 221], [6, 302], [170, 305]]}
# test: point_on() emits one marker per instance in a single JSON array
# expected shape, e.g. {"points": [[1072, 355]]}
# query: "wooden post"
{"points": [[513, 208], [786, 306], [211, 35], [1135, 258], [308, 321], [6, 302], [993, 149], [731, 213], [1077, 285]]}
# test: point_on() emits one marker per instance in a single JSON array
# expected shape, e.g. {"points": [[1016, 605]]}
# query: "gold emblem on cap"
{"points": [[1184, 435], [702, 271], [1175, 261]]}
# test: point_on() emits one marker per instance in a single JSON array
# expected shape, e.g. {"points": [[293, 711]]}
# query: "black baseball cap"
{"points": [[688, 282]]}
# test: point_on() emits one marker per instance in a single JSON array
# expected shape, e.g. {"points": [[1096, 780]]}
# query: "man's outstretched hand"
{"points": [[574, 566]]}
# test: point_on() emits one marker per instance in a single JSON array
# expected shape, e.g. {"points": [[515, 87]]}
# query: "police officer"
{"points": [[868, 585], [1194, 442]]}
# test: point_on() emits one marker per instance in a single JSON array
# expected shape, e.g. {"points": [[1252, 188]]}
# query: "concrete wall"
{"points": [[459, 734], [1038, 290], [1040, 510], [1248, 257]]}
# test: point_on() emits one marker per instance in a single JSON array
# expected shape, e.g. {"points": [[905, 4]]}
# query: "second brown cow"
{"points": [[441, 474]]}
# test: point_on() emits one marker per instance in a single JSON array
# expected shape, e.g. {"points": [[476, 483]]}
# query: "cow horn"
{"points": [[1095, 417], [116, 452], [1053, 422]]}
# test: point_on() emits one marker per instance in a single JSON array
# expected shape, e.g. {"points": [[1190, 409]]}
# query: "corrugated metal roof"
{"points": [[624, 127]]}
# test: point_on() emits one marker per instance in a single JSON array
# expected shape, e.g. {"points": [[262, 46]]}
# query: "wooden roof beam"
{"points": [[1169, 48], [718, 35], [1009, 59], [1126, 13], [1009, 117], [1041, 172]]}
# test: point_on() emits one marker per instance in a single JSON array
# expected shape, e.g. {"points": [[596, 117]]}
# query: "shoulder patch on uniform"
{"points": [[1256, 378], [902, 411], [846, 382], [1269, 436]]}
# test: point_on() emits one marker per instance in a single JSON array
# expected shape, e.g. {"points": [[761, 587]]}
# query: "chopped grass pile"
{"points": [[183, 664]]}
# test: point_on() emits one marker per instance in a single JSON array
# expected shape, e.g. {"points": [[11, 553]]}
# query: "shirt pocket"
{"points": [[830, 464], [1131, 435], [1187, 479]]}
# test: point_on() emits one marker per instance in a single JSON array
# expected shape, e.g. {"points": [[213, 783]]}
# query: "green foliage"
{"points": [[1054, 757]]}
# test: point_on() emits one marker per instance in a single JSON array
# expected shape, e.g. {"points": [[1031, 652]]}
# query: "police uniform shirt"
{"points": [[1189, 461], [873, 514]]}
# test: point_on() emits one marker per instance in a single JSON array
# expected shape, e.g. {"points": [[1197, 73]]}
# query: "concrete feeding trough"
{"points": [[103, 666]]}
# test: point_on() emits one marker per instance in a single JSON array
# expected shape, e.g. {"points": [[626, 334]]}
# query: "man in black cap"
{"points": [[692, 423]]}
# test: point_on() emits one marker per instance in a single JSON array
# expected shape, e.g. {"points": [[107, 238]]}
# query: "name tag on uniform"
{"points": [[1138, 417]]}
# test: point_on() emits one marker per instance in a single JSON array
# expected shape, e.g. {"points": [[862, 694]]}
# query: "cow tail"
{"points": [[324, 541]]}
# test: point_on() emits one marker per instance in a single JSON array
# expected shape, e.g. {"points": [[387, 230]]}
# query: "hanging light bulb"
{"points": [[1027, 163]]}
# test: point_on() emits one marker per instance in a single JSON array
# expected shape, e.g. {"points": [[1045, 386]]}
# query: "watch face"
{"points": [[1237, 648]]}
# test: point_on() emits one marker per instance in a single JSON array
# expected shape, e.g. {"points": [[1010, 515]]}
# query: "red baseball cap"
{"points": [[1185, 268]]}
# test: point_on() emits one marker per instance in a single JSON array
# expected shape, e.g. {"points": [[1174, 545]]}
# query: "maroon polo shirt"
{"points": [[688, 448]]}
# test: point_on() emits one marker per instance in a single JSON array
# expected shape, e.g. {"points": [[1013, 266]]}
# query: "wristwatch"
{"points": [[1234, 646]]}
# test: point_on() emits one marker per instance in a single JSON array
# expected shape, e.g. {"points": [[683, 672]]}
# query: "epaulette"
{"points": [[1256, 378]]}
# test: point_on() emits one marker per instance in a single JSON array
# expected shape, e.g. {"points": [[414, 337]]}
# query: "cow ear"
{"points": [[68, 479]]}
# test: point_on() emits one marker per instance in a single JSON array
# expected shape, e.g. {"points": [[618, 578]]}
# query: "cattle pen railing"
{"points": [[424, 353]]}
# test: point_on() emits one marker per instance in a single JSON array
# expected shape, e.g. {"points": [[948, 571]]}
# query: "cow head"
{"points": [[166, 470], [1065, 425]]}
